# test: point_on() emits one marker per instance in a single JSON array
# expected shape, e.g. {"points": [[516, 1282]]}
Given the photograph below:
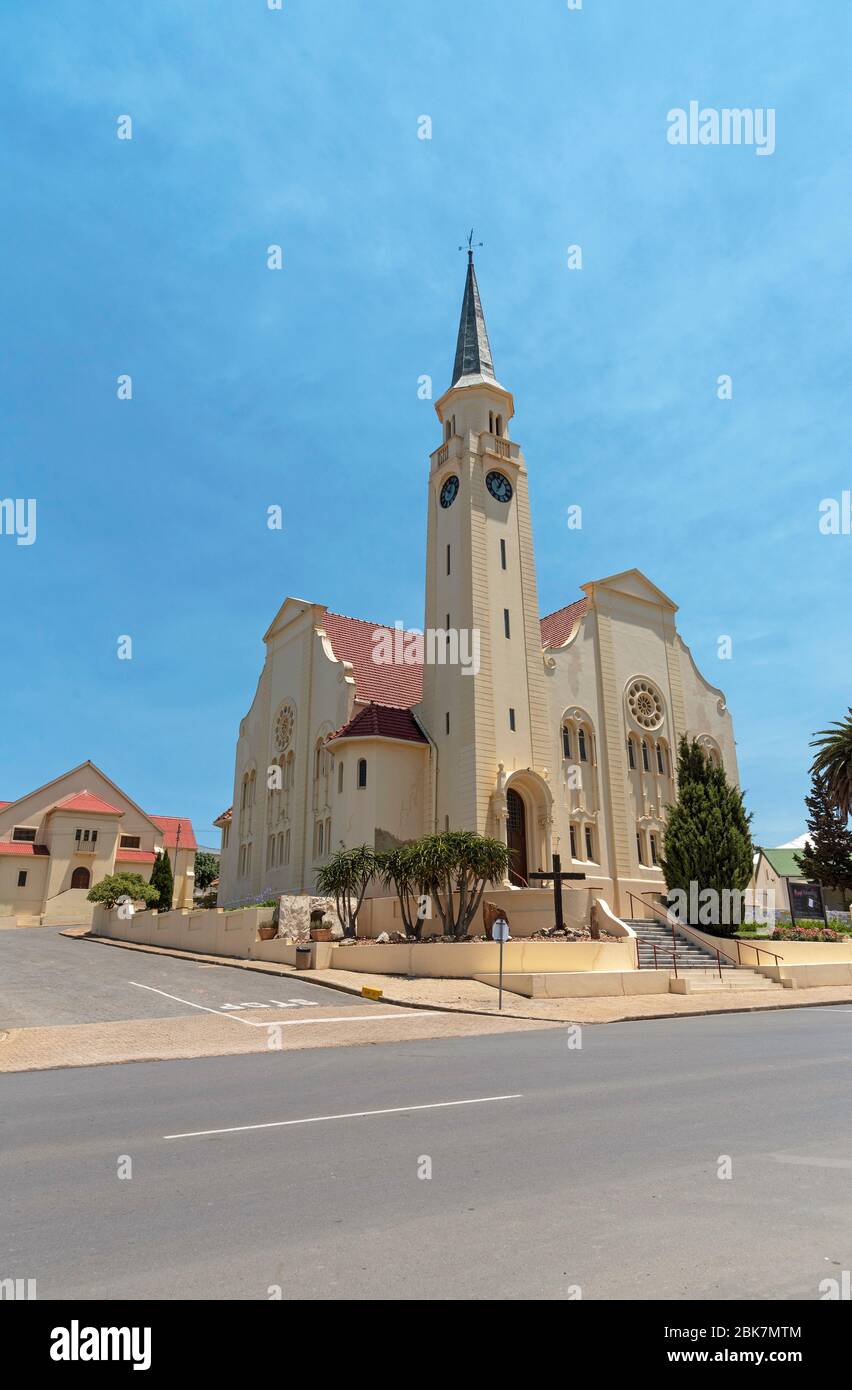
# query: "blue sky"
{"points": [[299, 388]]}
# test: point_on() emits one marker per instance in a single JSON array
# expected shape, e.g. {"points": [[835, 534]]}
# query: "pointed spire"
{"points": [[473, 350]]}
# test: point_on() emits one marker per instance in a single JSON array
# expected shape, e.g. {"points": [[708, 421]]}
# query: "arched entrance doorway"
{"points": [[516, 837], [81, 878]]}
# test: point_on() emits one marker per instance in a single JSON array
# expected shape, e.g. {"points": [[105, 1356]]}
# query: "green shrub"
{"points": [[123, 885]]}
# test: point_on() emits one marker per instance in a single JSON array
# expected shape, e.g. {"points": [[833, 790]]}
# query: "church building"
{"points": [[554, 734]]}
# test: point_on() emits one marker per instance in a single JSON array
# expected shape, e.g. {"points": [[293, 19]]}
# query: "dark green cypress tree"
{"points": [[707, 841], [827, 858], [163, 880]]}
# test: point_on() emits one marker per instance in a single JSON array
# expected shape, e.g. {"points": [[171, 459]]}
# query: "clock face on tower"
{"points": [[449, 491], [499, 487]]}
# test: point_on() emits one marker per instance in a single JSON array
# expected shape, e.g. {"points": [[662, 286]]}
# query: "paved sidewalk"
{"points": [[217, 1035], [409, 1010], [469, 996]]}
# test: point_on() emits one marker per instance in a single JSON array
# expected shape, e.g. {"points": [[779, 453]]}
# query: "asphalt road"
{"points": [[601, 1173], [48, 980]]}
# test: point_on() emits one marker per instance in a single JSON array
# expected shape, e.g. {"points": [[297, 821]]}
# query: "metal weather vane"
{"points": [[470, 245]]}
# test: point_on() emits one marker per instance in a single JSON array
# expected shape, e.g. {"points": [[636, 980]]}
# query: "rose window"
{"points": [[284, 722], [645, 705]]}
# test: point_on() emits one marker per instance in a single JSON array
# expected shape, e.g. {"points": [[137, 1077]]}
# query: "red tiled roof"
{"points": [[382, 721], [169, 825], [226, 815], [89, 803], [4, 803], [135, 856], [557, 627], [21, 847], [396, 684]]}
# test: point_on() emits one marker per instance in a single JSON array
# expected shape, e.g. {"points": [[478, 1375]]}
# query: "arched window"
{"points": [[566, 741], [491, 422], [581, 745], [362, 772], [499, 426], [646, 766], [631, 754], [662, 761]]}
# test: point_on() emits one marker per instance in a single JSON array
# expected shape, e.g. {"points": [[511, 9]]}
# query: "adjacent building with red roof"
{"points": [[57, 841]]}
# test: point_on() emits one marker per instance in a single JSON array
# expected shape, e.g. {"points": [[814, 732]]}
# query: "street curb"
{"points": [[267, 968]]}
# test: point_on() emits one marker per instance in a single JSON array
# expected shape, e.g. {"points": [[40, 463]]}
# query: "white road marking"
{"points": [[190, 1005], [351, 1115], [287, 1022]]}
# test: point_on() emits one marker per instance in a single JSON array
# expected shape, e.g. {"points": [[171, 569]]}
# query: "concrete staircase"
{"points": [[697, 967], [691, 955]]}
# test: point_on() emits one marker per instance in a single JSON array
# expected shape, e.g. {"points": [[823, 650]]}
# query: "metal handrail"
{"points": [[670, 950], [690, 932], [671, 925]]}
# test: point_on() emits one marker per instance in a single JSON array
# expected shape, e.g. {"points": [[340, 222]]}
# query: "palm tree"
{"points": [[833, 762], [398, 869], [345, 878], [454, 868]]}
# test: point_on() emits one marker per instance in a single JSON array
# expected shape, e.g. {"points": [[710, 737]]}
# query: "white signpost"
{"points": [[500, 932]]}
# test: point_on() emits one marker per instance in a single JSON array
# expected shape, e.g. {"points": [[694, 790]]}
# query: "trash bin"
{"points": [[303, 957]]}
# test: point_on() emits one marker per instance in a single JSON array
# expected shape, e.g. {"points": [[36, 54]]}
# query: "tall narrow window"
{"points": [[502, 554], [448, 559], [491, 422], [639, 850], [590, 843], [661, 760], [512, 720], [22, 878], [447, 722], [362, 772], [645, 764], [287, 848], [506, 626], [566, 741], [652, 840], [581, 744], [340, 776], [573, 837], [631, 754]]}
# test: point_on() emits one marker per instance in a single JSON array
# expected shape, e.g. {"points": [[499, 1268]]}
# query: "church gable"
{"points": [[630, 583]]}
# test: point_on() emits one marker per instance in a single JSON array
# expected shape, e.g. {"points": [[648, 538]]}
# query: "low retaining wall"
{"points": [[528, 909], [466, 959], [764, 950], [220, 933], [565, 984]]}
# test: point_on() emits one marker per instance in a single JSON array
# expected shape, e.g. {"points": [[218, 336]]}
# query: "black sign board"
{"points": [[806, 900]]}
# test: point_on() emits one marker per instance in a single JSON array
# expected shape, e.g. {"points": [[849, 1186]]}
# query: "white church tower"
{"points": [[480, 584]]}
